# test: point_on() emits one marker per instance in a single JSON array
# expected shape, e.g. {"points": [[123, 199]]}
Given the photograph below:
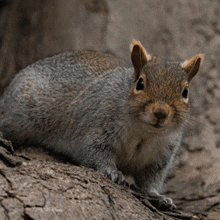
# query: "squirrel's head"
{"points": [[160, 93]]}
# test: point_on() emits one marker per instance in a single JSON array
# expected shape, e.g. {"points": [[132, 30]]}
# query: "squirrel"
{"points": [[90, 106]]}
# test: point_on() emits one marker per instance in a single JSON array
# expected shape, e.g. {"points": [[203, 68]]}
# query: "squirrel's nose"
{"points": [[160, 114]]}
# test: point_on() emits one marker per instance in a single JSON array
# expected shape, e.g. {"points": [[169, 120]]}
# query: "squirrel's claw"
{"points": [[115, 175], [118, 177], [162, 202]]}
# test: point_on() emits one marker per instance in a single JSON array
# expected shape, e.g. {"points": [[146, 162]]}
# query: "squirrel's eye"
{"points": [[185, 92], [140, 84]]}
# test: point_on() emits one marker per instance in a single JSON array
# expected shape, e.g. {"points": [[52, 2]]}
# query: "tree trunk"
{"points": [[49, 188]]}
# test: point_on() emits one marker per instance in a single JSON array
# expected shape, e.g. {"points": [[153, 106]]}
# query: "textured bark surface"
{"points": [[35, 185], [32, 30], [171, 29]]}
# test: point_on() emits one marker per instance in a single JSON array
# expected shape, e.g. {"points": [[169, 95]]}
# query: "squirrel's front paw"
{"points": [[161, 202], [115, 175]]}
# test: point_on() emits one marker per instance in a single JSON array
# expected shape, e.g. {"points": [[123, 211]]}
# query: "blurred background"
{"points": [[31, 30], [173, 29]]}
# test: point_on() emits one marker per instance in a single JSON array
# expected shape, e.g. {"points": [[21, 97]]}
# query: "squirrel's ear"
{"points": [[139, 57], [191, 67]]}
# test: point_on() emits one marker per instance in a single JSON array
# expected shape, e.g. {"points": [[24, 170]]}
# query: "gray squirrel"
{"points": [[92, 108]]}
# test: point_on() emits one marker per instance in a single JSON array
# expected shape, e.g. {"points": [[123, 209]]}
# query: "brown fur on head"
{"points": [[160, 90]]}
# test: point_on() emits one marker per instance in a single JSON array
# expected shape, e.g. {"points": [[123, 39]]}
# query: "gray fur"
{"points": [[81, 104]]}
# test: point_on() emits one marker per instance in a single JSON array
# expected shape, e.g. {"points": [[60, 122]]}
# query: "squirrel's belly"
{"points": [[136, 155]]}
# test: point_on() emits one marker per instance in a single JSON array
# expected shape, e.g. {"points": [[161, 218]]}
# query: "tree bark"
{"points": [[47, 189], [32, 30]]}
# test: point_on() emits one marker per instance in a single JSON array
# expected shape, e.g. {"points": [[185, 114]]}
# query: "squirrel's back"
{"points": [[60, 96], [76, 67]]}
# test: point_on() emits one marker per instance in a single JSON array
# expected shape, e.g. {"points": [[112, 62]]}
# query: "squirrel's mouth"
{"points": [[157, 125]]}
